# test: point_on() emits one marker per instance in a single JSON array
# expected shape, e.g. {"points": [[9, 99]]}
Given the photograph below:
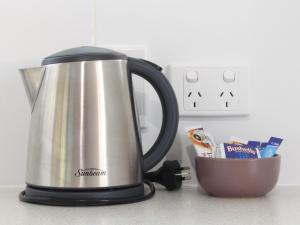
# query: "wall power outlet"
{"points": [[210, 91]]}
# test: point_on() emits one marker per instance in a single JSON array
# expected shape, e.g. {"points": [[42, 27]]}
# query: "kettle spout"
{"points": [[32, 78]]}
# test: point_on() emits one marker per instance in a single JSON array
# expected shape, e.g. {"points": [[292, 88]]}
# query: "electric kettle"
{"points": [[84, 142]]}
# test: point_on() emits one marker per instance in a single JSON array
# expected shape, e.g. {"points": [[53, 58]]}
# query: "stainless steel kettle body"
{"points": [[83, 126], [84, 132]]}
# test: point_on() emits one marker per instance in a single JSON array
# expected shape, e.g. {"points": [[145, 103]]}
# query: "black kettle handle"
{"points": [[152, 74]]}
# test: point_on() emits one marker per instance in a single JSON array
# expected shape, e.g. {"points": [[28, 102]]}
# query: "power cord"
{"points": [[170, 175]]}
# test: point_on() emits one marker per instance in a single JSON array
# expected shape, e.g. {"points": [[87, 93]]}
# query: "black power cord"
{"points": [[170, 175]]}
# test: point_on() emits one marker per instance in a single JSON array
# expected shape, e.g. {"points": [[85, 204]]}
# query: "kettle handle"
{"points": [[151, 72]]}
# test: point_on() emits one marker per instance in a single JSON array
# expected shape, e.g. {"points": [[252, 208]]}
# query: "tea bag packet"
{"points": [[270, 148], [236, 148], [235, 151], [203, 142]]}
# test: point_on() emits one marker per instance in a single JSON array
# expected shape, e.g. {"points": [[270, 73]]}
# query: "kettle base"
{"points": [[93, 197]]}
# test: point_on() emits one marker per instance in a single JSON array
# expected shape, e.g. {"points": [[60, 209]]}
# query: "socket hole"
{"points": [[231, 94], [189, 95], [199, 94], [226, 104], [222, 93], [194, 104]]}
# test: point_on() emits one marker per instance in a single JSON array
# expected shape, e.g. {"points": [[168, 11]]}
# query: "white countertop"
{"points": [[187, 206]]}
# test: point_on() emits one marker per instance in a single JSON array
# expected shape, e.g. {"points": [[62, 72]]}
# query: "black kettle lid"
{"points": [[83, 53]]}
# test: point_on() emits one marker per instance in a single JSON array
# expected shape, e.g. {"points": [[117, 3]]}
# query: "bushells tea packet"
{"points": [[234, 151]]}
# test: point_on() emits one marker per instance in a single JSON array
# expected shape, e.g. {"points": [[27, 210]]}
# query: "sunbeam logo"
{"points": [[90, 172]]}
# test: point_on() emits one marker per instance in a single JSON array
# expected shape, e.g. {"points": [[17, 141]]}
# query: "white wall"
{"points": [[31, 30], [263, 34]]}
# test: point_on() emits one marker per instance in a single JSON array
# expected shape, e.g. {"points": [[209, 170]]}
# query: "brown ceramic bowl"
{"points": [[238, 177]]}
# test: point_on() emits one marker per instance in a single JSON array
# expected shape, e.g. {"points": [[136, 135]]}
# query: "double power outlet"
{"points": [[210, 91]]}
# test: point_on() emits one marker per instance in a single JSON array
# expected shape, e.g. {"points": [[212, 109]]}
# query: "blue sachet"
{"points": [[270, 149]]}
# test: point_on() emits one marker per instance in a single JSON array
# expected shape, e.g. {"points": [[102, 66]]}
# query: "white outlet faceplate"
{"points": [[210, 91]]}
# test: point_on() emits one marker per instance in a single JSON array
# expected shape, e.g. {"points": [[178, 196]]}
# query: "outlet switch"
{"points": [[210, 91], [192, 76], [229, 76]]}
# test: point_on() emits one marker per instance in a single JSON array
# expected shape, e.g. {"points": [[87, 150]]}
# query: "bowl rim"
{"points": [[276, 156]]}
